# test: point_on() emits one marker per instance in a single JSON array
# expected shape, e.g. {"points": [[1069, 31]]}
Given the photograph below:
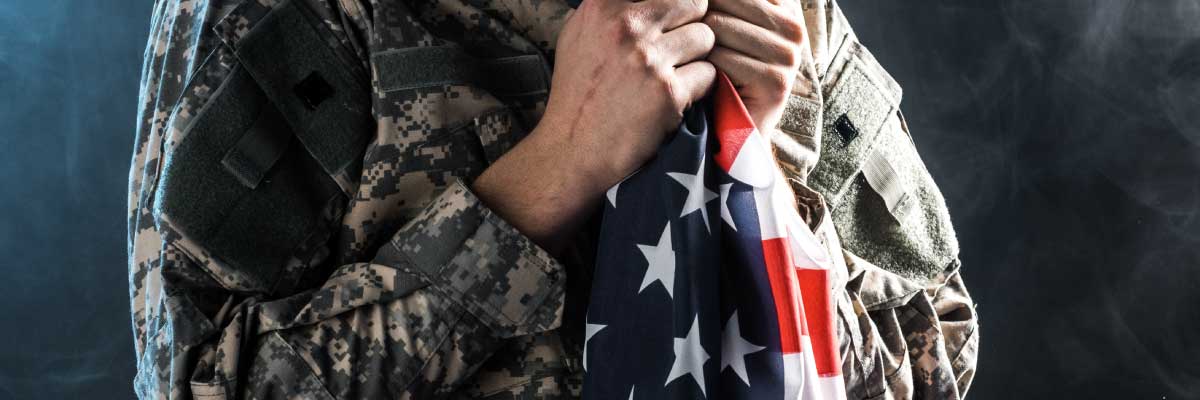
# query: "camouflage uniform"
{"points": [[907, 326], [301, 225]]}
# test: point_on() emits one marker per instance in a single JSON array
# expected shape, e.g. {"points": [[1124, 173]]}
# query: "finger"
{"points": [[691, 83], [685, 44], [747, 38], [671, 14], [781, 19], [744, 70], [754, 11]]}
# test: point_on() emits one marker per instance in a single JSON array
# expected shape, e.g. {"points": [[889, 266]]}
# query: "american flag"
{"points": [[708, 283]]}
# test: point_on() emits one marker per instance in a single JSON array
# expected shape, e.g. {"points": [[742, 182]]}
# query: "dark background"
{"points": [[1065, 135]]}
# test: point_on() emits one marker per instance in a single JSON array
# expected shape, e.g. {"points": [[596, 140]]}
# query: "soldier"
{"points": [[383, 199]]}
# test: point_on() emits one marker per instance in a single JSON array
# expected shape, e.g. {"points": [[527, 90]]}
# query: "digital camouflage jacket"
{"points": [[301, 224]]}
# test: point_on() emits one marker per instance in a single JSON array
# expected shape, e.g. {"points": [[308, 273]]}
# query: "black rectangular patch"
{"points": [[845, 129], [313, 90]]}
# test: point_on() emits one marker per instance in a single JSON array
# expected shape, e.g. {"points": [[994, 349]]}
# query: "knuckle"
{"points": [[662, 80], [792, 55], [668, 90], [628, 26], [776, 81], [643, 56], [791, 28]]}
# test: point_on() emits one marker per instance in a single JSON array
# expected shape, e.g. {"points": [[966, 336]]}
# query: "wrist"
{"points": [[570, 156], [542, 187]]}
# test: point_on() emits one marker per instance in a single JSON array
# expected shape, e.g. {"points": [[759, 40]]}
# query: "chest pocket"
{"points": [[261, 172], [886, 207]]}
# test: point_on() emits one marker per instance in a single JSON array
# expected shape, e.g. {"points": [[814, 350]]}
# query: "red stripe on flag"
{"points": [[814, 289], [733, 123], [788, 309]]}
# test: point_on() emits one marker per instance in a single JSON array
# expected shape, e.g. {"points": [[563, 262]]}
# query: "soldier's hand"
{"points": [[623, 74], [760, 46]]}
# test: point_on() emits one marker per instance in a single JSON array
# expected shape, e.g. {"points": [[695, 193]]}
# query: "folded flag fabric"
{"points": [[708, 283]]}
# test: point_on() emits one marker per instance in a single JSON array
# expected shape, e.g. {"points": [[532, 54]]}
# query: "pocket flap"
{"points": [[854, 114], [318, 87]]}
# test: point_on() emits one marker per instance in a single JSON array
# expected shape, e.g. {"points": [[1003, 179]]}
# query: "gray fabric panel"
{"points": [[418, 67], [281, 52], [885, 205], [918, 241], [801, 116], [258, 149], [265, 228], [892, 214], [194, 188], [867, 106], [253, 231], [798, 139]]}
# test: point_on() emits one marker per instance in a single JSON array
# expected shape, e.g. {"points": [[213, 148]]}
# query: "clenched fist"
{"points": [[761, 44], [623, 74]]}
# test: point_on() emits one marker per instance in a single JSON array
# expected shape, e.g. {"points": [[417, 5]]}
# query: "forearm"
{"points": [[623, 75], [540, 188]]}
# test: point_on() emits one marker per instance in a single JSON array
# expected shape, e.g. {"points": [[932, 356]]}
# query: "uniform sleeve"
{"points": [[470, 254], [960, 326], [414, 321], [901, 340], [436, 302], [418, 320]]}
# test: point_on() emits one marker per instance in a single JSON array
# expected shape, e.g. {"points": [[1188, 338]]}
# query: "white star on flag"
{"points": [[590, 330], [734, 349], [612, 194], [698, 195], [725, 205], [689, 357], [662, 263]]}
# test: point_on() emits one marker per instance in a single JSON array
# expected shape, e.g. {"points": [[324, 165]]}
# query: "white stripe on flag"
{"points": [[793, 375]]}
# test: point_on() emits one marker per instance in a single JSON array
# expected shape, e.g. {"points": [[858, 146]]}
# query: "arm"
{"points": [[959, 324], [447, 288], [623, 76], [437, 300]]}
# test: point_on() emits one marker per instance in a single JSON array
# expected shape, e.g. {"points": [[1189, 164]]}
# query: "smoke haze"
{"points": [[68, 93], [1065, 135]]}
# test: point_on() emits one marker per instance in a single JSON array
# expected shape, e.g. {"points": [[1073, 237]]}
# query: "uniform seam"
{"points": [[961, 348], [524, 381], [460, 315], [535, 255], [311, 370], [452, 295]]}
